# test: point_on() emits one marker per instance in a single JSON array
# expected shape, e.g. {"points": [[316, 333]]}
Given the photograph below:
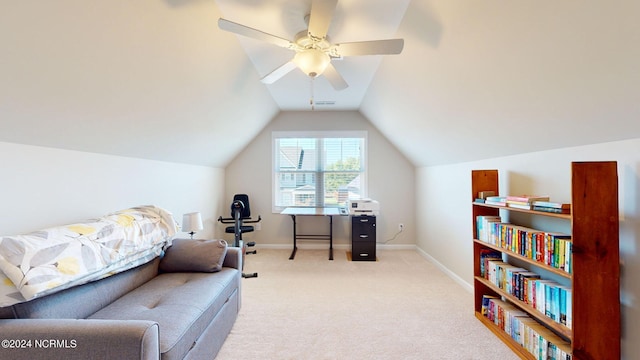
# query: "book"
{"points": [[485, 256], [492, 270], [551, 209], [496, 200], [555, 303], [519, 205], [568, 258], [486, 193], [483, 230], [540, 295], [485, 304], [552, 248], [550, 345], [527, 198], [568, 300], [522, 291], [507, 277], [550, 204], [563, 304]]}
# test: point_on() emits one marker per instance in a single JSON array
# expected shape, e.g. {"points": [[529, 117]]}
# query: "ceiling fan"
{"points": [[314, 50]]}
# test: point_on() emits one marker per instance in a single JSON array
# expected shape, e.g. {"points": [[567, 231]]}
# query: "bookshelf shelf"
{"points": [[562, 330], [524, 258], [541, 213], [505, 338], [595, 271]]}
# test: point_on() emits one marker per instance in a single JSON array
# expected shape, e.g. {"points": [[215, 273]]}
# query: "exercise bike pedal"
{"points": [[250, 244]]}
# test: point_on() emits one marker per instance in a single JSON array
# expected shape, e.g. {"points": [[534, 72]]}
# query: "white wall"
{"points": [[42, 187], [390, 181], [444, 210]]}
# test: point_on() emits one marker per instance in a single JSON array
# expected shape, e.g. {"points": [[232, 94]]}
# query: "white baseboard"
{"points": [[445, 270]]}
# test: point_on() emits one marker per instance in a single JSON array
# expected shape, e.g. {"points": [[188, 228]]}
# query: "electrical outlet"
{"points": [[400, 227], [258, 227]]}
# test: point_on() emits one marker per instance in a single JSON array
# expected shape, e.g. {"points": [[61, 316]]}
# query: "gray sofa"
{"points": [[142, 313]]}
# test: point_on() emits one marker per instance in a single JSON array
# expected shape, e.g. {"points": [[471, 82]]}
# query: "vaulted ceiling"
{"points": [[352, 20], [158, 79]]}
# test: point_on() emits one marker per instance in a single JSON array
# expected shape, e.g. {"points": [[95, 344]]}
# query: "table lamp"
{"points": [[191, 223]]}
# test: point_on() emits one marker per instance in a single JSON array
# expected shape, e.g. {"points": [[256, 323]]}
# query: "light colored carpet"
{"points": [[399, 307]]}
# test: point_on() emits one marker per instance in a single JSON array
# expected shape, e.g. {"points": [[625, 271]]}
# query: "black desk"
{"points": [[296, 211]]}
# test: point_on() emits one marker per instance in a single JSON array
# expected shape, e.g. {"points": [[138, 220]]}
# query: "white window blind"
{"points": [[315, 169]]}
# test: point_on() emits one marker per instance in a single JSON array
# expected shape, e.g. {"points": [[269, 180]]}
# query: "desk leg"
{"points": [[295, 246], [330, 237]]}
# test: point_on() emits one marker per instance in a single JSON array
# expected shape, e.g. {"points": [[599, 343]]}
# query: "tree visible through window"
{"points": [[318, 169]]}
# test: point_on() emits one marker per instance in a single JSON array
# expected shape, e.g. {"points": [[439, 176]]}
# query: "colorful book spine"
{"points": [[539, 341], [569, 307], [552, 249], [485, 256]]}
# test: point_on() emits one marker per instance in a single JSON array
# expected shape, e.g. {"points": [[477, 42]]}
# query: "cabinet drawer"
{"points": [[363, 228], [368, 235], [363, 221], [363, 251]]}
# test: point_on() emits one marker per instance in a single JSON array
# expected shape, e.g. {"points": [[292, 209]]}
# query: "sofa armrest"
{"points": [[79, 339], [233, 258]]}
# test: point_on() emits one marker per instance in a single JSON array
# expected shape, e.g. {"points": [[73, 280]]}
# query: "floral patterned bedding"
{"points": [[50, 260]]}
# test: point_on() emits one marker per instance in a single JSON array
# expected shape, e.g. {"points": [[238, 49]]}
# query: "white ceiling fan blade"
{"points": [[375, 47], [320, 17], [253, 33], [276, 74], [334, 77]]}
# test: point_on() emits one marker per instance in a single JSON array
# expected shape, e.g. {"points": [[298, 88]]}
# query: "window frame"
{"points": [[318, 173]]}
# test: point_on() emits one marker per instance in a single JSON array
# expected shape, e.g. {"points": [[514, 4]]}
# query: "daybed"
{"points": [[178, 306]]}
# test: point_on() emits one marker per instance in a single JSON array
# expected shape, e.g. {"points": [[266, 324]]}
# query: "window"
{"points": [[318, 168]]}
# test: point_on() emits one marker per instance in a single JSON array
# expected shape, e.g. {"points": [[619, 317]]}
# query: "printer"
{"points": [[363, 207]]}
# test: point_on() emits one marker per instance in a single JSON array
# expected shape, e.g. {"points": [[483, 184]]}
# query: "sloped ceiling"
{"points": [[152, 79], [157, 79], [481, 79]]}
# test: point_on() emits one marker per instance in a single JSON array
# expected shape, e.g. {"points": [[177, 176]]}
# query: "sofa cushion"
{"points": [[194, 255], [81, 301], [7, 313], [183, 304]]}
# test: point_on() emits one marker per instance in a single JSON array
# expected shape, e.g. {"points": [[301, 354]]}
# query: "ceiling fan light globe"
{"points": [[312, 62]]}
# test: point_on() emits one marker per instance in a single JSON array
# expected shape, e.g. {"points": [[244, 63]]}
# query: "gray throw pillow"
{"points": [[187, 255]]}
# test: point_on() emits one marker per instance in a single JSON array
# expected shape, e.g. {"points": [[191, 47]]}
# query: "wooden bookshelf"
{"points": [[595, 275]]}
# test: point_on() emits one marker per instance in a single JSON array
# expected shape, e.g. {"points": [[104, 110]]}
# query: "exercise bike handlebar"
{"points": [[232, 220], [236, 208]]}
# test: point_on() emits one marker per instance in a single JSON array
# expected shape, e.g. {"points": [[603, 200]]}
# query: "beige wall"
{"points": [[42, 187], [390, 180], [444, 211]]}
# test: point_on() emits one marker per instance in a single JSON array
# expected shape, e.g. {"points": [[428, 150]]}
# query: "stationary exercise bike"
{"points": [[240, 214]]}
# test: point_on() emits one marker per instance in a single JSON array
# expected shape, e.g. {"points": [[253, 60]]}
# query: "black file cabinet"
{"points": [[363, 238]]}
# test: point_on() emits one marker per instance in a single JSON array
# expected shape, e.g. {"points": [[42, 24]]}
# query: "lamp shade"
{"points": [[192, 222], [312, 61]]}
